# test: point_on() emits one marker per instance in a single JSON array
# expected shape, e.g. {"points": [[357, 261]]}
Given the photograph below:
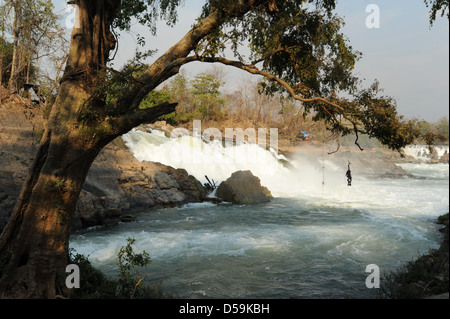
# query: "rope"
{"points": [[323, 167]]}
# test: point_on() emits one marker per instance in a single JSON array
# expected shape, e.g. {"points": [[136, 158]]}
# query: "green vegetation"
{"points": [[95, 285], [202, 98], [6, 58], [432, 133], [437, 7], [428, 133], [6, 52]]}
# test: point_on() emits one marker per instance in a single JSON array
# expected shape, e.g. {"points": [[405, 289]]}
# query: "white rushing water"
{"points": [[310, 241], [422, 152]]}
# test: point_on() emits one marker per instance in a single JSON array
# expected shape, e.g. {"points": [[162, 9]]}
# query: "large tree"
{"points": [[296, 45]]}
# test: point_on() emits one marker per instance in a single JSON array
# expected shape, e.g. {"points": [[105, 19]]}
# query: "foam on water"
{"points": [[422, 152], [384, 197], [212, 159], [310, 239]]}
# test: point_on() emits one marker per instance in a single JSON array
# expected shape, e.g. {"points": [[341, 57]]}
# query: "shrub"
{"points": [[96, 285]]}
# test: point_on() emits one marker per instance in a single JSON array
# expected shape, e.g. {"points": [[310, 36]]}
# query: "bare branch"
{"points": [[357, 137], [121, 125], [254, 70], [337, 149]]}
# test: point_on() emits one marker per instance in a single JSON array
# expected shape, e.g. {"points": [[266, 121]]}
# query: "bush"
{"points": [[95, 285], [417, 279]]}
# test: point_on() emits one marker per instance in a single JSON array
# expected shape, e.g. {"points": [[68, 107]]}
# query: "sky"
{"points": [[409, 58]]}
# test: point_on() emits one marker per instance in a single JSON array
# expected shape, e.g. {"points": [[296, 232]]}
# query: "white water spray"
{"points": [[308, 236], [422, 152], [218, 161]]}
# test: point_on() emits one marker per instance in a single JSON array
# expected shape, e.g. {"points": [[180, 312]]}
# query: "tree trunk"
{"points": [[14, 76], [34, 243]]}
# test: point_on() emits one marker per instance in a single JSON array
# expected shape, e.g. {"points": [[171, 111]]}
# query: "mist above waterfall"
{"points": [[314, 239], [301, 174]]}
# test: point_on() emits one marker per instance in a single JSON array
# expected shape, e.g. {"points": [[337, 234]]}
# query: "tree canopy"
{"points": [[297, 46], [437, 7]]}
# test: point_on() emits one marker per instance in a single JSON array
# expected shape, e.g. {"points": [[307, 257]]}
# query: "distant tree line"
{"points": [[203, 97], [432, 133]]}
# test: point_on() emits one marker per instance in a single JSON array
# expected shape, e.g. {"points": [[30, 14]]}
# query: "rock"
{"points": [[127, 218], [3, 196], [444, 159], [116, 185], [243, 188], [164, 181], [433, 153]]}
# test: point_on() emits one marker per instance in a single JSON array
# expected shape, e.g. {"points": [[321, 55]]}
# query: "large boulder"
{"points": [[243, 188]]}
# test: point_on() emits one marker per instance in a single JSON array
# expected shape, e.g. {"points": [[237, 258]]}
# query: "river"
{"points": [[312, 240]]}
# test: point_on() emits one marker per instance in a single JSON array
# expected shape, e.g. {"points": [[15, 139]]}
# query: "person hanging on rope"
{"points": [[349, 175]]}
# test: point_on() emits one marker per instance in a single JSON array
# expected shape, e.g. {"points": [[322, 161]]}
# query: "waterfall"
{"points": [[309, 241], [422, 152], [219, 160]]}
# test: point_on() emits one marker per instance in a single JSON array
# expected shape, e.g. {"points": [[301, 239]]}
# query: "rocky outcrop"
{"points": [[243, 188], [424, 277], [372, 163], [369, 163], [117, 183]]}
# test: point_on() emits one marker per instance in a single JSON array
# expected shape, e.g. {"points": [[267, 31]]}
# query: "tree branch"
{"points": [[123, 124], [254, 70], [170, 62]]}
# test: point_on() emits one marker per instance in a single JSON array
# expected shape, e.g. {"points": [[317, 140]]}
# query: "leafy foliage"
{"points": [[297, 46], [130, 280], [6, 53], [95, 285], [146, 12], [37, 31], [436, 7], [432, 133], [205, 89]]}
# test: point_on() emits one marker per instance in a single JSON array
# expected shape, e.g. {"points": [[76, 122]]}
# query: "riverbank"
{"points": [[426, 277], [117, 184]]}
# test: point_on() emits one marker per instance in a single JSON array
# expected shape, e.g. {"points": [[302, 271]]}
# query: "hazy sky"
{"points": [[410, 59]]}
